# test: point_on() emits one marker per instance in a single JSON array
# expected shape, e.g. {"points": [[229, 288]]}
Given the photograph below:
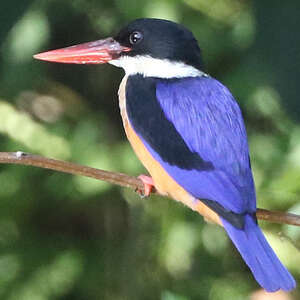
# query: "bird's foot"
{"points": [[148, 185]]}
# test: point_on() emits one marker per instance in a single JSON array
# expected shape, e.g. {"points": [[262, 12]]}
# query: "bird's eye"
{"points": [[135, 37]]}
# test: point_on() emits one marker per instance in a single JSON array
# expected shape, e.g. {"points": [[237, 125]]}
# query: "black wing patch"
{"points": [[149, 121], [237, 220]]}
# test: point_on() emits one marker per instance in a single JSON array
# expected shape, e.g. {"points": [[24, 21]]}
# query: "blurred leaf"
{"points": [[27, 132], [178, 260], [171, 296], [27, 36]]}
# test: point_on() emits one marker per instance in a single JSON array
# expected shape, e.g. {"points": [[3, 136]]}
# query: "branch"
{"points": [[120, 179]]}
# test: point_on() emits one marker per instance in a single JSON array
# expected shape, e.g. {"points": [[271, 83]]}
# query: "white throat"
{"points": [[154, 67]]}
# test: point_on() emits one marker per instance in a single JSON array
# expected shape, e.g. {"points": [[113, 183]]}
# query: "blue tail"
{"points": [[259, 256]]}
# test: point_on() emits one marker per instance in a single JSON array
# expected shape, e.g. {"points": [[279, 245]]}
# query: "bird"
{"points": [[188, 131]]}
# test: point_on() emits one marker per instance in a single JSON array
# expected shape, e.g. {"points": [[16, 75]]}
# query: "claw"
{"points": [[148, 184]]}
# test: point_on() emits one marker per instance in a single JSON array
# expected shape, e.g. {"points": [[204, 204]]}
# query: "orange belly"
{"points": [[165, 184]]}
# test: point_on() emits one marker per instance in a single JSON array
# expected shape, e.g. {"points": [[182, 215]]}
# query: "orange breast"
{"points": [[165, 184]]}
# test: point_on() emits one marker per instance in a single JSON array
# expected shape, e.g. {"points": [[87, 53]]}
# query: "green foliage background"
{"points": [[67, 237]]}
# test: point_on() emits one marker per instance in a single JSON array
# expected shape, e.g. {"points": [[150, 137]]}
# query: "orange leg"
{"points": [[148, 184]]}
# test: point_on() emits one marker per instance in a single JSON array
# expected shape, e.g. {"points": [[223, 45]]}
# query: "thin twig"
{"points": [[120, 179]]}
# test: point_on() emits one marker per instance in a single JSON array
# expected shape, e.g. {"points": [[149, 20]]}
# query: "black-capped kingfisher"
{"points": [[187, 130]]}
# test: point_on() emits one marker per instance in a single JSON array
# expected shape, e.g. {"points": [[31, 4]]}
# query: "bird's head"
{"points": [[152, 47]]}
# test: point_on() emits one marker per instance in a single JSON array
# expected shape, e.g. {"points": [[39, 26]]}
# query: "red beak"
{"points": [[97, 52]]}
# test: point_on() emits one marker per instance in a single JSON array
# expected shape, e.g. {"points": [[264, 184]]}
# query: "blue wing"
{"points": [[210, 122], [194, 128]]}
